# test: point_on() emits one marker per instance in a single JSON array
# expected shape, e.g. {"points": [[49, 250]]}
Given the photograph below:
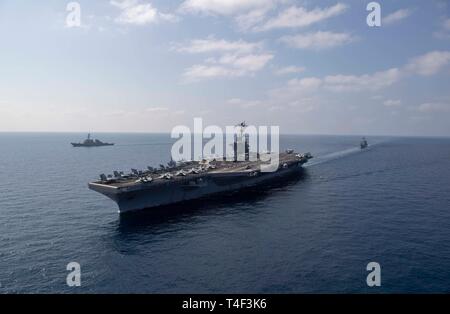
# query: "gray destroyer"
{"points": [[91, 143], [364, 143]]}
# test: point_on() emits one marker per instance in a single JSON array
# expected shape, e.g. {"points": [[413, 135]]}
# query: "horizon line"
{"points": [[168, 132]]}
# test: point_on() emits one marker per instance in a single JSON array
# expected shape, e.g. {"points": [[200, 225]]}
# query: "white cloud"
{"points": [[168, 17], [201, 71], [233, 58], [157, 109], [224, 7], [218, 45], [228, 66], [137, 13], [374, 81], [312, 88], [397, 16], [434, 107], [252, 14], [246, 63], [290, 70], [429, 63], [307, 84], [392, 103], [248, 20], [305, 95], [296, 89], [318, 40], [300, 95], [304, 105], [308, 93], [244, 103], [294, 17], [275, 108]]}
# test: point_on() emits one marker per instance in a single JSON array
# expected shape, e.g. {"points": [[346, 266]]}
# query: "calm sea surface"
{"points": [[389, 204]]}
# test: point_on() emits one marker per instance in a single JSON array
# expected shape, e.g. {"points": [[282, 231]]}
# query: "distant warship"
{"points": [[189, 180], [91, 143], [363, 143]]}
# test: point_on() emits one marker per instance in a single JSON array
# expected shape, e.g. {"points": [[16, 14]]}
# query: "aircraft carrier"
{"points": [[180, 182]]}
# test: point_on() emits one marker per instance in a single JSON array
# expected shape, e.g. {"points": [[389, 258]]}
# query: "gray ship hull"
{"points": [[91, 145], [152, 195]]}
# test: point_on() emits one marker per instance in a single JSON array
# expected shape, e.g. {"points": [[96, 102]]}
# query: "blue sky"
{"points": [[311, 67]]}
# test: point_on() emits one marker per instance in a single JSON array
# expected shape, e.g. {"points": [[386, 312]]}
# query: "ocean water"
{"points": [[315, 234]]}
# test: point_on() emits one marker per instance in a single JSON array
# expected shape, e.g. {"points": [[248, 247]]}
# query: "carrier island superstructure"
{"points": [[186, 181]]}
